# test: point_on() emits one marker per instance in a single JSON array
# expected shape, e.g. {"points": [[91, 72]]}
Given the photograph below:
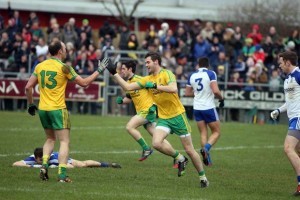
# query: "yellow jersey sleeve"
{"points": [[142, 98]]}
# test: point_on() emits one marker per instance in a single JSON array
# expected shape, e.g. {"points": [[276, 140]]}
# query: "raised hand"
{"points": [[102, 64]]}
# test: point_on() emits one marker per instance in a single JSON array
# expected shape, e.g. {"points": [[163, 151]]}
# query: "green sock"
{"points": [[176, 154], [62, 171], [202, 173], [143, 144]]}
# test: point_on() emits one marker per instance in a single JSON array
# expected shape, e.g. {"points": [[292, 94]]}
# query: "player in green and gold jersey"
{"points": [[171, 113], [144, 106], [52, 76]]}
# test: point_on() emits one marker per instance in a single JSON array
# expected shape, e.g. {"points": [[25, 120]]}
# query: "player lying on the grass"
{"points": [[36, 159]]}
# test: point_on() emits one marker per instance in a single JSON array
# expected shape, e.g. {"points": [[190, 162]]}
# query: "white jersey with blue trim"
{"points": [[203, 95], [292, 93], [53, 160]]}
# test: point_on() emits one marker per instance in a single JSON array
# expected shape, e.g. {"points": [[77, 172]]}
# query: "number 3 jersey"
{"points": [[53, 76], [203, 95]]}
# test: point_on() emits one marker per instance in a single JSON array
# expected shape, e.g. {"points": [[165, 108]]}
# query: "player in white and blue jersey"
{"points": [[203, 85], [288, 64], [36, 160]]}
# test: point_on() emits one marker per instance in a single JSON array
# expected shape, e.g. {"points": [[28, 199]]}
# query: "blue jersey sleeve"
{"points": [[297, 76], [212, 75], [30, 160]]}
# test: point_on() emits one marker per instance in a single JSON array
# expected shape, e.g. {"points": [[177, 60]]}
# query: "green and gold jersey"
{"points": [[168, 104], [142, 98], [53, 77]]}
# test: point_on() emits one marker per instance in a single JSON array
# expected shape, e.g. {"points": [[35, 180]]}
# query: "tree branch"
{"points": [[107, 8], [136, 4]]}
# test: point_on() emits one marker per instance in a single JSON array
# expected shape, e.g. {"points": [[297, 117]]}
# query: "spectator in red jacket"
{"points": [[255, 35]]}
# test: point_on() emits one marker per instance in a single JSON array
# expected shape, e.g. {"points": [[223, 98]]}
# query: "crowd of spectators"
{"points": [[235, 55]]}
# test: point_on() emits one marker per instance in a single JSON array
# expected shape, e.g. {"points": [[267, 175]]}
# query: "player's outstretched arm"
{"points": [[21, 163], [126, 86], [83, 82], [171, 88]]}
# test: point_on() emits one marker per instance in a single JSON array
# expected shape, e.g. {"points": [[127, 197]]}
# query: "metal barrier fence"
{"points": [[235, 99]]}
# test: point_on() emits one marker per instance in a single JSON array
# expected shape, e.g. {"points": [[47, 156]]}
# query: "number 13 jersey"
{"points": [[53, 76]]}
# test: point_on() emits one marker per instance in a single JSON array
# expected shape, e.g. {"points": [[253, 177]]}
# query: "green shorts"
{"points": [[55, 119], [149, 115], [178, 125]]}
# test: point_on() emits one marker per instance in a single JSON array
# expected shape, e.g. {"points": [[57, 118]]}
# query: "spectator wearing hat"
{"points": [[255, 35], [85, 27], [248, 49], [106, 31]]}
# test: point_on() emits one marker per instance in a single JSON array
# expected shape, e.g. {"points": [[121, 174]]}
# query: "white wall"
{"points": [[167, 9]]}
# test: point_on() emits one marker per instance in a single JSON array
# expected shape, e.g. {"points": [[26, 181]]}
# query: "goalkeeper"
{"points": [[35, 160]]}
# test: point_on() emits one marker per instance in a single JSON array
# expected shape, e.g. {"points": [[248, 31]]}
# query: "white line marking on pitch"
{"points": [[138, 151]]}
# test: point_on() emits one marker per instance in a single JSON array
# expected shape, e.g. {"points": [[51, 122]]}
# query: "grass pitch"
{"points": [[248, 163]]}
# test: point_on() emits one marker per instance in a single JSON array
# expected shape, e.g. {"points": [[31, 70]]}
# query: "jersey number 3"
{"points": [[200, 85], [50, 75]]}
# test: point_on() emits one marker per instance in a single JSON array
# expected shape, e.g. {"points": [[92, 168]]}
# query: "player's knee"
{"points": [[129, 128], [156, 144], [217, 133], [288, 149], [189, 150]]}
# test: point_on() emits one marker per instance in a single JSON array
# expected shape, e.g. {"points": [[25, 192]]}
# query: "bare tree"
{"points": [[279, 13], [123, 15]]}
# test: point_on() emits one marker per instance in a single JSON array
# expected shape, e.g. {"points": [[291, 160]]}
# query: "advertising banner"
{"points": [[15, 89]]}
